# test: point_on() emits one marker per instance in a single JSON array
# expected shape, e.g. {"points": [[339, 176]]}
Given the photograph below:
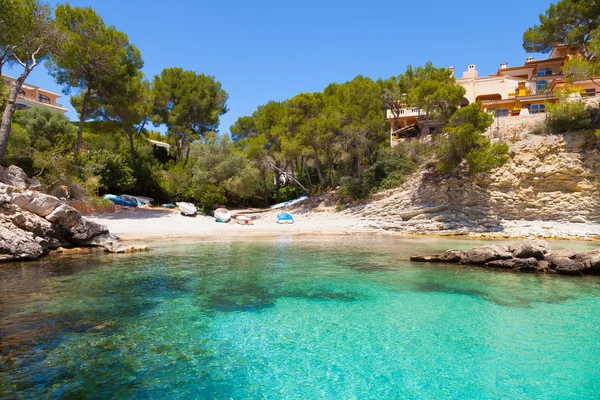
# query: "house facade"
{"points": [[30, 96], [510, 92]]}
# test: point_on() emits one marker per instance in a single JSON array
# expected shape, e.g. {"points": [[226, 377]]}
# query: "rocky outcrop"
{"points": [[32, 223], [530, 255], [551, 180]]}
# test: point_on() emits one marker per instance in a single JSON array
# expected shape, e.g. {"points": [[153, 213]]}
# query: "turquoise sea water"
{"points": [[295, 318]]}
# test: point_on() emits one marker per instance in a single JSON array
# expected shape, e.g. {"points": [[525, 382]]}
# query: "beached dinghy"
{"points": [[187, 208], [121, 200], [243, 219], [222, 215], [285, 218], [289, 203]]}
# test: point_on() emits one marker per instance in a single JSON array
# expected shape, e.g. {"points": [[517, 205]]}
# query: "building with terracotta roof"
{"points": [[30, 96], [512, 91]]}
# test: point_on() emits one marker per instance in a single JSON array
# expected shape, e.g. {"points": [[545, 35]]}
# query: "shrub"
{"points": [[464, 141], [115, 174], [568, 116]]}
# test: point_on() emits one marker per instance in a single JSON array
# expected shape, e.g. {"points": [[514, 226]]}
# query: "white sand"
{"points": [[156, 223], [138, 224]]}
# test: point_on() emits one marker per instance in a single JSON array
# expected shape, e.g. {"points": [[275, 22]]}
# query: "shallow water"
{"points": [[283, 318]]}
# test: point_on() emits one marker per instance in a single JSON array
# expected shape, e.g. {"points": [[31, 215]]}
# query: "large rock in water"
{"points": [[530, 248], [484, 254], [17, 244], [32, 223], [78, 229]]}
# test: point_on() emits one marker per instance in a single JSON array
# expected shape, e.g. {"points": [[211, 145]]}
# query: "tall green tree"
{"points": [[95, 60], [130, 107], [358, 106], [434, 91], [34, 38], [189, 104], [566, 22]]}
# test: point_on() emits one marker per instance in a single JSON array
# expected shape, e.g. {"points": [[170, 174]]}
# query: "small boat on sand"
{"points": [[187, 208], [289, 203], [142, 201], [285, 218], [121, 200], [222, 215], [243, 219]]}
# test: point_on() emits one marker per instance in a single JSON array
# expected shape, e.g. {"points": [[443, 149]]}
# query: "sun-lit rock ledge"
{"points": [[528, 256], [33, 223]]}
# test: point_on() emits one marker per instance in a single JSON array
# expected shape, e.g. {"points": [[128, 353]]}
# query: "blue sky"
{"points": [[273, 50]]}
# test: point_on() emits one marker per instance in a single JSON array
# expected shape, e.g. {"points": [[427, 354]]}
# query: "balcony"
{"points": [[405, 113]]}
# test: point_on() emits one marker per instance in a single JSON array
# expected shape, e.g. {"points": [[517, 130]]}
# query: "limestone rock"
{"points": [[78, 229], [564, 265], [5, 193], [523, 264], [530, 248], [32, 223], [484, 254], [448, 256], [111, 244], [590, 261], [17, 177], [37, 203], [578, 219], [17, 244]]}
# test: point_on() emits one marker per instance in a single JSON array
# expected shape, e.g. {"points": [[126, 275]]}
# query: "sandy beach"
{"points": [[135, 224], [149, 224]]}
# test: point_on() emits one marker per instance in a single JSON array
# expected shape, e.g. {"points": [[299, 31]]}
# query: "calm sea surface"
{"points": [[295, 318]]}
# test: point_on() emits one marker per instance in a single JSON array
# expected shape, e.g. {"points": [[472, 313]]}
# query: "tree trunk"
{"points": [[131, 146], [178, 150], [277, 184], [82, 118], [310, 187], [294, 180], [9, 111], [318, 167], [265, 189], [187, 155]]}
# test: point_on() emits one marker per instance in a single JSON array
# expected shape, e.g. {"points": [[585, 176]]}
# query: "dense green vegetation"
{"points": [[308, 144]]}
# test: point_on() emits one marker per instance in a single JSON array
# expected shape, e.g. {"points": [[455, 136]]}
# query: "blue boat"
{"points": [[285, 218], [122, 201]]}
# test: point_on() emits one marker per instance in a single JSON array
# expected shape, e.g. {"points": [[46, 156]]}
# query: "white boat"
{"points": [[243, 219], [289, 202], [222, 215], [142, 201], [187, 208]]}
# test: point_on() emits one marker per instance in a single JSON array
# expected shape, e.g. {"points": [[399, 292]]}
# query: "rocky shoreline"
{"points": [[531, 255], [33, 223]]}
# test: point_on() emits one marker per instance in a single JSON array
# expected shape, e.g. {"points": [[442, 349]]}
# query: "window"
{"points": [[500, 112], [538, 108], [43, 99], [590, 92], [542, 86], [544, 72]]}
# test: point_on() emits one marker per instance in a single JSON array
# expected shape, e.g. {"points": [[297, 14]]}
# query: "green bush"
{"points": [[116, 176], [464, 141], [568, 116]]}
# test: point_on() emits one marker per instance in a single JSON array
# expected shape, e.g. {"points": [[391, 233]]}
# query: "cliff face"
{"points": [[548, 178]]}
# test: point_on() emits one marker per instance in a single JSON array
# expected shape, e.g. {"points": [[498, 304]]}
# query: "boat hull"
{"points": [[187, 208], [285, 218], [222, 215], [243, 220]]}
